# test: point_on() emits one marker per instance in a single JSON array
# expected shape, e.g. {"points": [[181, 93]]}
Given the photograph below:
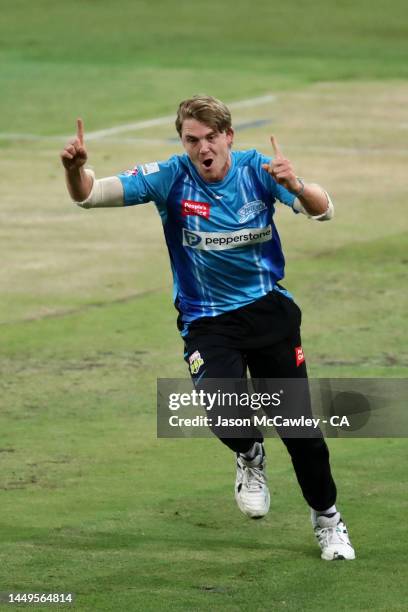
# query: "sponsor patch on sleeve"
{"points": [[150, 168], [300, 357]]}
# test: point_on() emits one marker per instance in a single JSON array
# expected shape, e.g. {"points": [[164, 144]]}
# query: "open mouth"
{"points": [[207, 163]]}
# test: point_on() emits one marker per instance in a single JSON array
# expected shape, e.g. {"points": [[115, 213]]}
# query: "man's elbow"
{"points": [[105, 192], [328, 214]]}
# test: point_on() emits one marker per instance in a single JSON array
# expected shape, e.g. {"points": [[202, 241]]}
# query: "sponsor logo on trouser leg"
{"points": [[300, 357]]}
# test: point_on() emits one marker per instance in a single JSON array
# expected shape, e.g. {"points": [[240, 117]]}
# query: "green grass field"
{"points": [[91, 501]]}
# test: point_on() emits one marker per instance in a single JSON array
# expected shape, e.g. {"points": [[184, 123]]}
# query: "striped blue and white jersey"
{"points": [[224, 248]]}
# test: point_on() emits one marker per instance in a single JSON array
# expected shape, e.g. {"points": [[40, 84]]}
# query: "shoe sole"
{"points": [[337, 557]]}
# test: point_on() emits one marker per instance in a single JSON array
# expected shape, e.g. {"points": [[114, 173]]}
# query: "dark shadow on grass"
{"points": [[153, 542]]}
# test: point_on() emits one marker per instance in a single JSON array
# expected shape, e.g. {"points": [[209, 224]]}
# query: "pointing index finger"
{"points": [[80, 131], [275, 147]]}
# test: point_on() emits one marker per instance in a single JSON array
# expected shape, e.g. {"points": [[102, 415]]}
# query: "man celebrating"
{"points": [[217, 208]]}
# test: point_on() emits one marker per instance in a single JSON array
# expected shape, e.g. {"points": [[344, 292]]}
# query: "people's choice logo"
{"points": [[193, 208], [218, 241]]}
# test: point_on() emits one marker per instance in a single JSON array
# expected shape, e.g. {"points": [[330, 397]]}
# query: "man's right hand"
{"points": [[74, 155]]}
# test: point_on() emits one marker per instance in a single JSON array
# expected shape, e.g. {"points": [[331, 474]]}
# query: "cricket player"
{"points": [[217, 208]]}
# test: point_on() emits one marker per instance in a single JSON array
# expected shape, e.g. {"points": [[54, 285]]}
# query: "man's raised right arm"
{"points": [[83, 188]]}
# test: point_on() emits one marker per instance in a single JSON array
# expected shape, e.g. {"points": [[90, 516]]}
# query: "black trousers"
{"points": [[229, 345]]}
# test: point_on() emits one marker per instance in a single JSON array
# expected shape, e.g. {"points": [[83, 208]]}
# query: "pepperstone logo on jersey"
{"points": [[218, 241], [191, 239], [250, 210]]}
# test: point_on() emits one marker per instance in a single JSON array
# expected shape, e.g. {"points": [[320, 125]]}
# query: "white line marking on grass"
{"points": [[34, 137], [141, 125], [161, 142], [138, 125]]}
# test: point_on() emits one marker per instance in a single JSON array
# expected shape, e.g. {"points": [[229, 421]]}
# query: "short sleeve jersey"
{"points": [[224, 248]]}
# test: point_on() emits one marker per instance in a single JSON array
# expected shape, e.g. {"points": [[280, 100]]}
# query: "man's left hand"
{"points": [[281, 169]]}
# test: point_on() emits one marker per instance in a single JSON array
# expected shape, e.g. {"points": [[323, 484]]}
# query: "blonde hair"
{"points": [[207, 110]]}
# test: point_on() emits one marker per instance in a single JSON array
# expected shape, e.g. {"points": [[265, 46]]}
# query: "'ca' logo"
{"points": [[191, 239]]}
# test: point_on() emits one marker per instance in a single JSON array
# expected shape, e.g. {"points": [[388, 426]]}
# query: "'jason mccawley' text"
{"points": [[261, 421], [255, 401]]}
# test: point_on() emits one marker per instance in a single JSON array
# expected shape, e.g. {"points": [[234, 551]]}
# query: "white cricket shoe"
{"points": [[251, 489], [332, 535]]}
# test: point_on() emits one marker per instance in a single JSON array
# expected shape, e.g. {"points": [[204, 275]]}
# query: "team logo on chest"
{"points": [[193, 208], [250, 210]]}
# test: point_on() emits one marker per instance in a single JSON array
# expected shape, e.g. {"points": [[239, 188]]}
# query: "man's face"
{"points": [[208, 149]]}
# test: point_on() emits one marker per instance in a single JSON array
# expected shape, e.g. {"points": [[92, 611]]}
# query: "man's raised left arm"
{"points": [[311, 199]]}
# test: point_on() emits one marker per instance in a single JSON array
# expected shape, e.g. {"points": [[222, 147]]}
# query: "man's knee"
{"points": [[307, 447]]}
